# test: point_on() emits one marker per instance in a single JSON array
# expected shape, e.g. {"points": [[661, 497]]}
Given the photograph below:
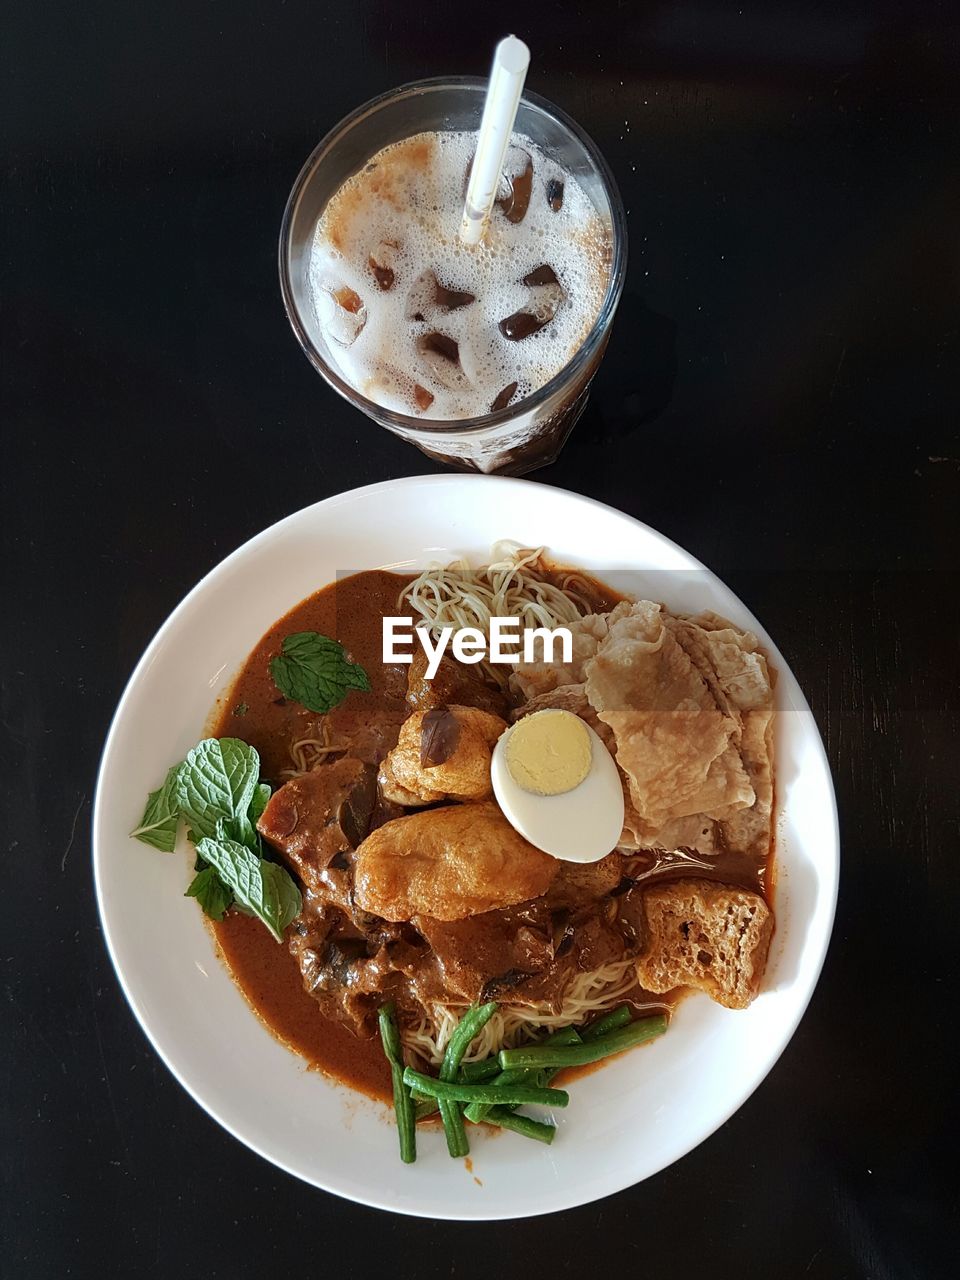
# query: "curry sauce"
{"points": [[267, 973]]}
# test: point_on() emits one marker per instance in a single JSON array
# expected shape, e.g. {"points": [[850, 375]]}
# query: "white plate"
{"points": [[626, 1121]]}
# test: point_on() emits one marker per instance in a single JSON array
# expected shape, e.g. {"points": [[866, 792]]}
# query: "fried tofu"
{"points": [[463, 775], [449, 863], [702, 934]]}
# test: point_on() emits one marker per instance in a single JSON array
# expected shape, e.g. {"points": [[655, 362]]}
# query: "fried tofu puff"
{"points": [[443, 754]]}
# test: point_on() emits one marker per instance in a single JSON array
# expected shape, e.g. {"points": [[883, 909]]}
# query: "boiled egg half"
{"points": [[559, 786]]}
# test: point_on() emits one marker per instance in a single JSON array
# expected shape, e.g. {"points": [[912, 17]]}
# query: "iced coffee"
{"points": [[481, 355], [424, 325]]}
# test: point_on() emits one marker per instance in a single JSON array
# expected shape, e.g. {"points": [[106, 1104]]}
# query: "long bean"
{"points": [[402, 1102], [578, 1055], [565, 1036], [477, 1072], [468, 1028], [507, 1118], [470, 1073], [519, 1094], [522, 1075], [611, 1021]]}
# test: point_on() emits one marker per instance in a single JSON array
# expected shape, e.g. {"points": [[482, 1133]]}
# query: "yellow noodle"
{"points": [[587, 995], [307, 752], [511, 586]]}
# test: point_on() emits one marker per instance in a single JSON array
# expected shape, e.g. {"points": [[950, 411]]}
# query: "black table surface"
{"points": [[780, 396]]}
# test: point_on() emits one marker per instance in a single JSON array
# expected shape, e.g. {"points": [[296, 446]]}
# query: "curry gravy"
{"points": [[351, 611]]}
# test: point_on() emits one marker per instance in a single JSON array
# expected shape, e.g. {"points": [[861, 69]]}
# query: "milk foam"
{"points": [[404, 209]]}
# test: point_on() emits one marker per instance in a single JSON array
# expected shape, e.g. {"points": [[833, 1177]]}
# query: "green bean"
{"points": [[468, 1028], [611, 1021], [519, 1094], [470, 1073], [402, 1102], [507, 1118], [566, 1035], [578, 1055], [523, 1075], [477, 1072]]}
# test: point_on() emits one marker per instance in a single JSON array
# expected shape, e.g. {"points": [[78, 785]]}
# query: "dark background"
{"points": [[780, 396]]}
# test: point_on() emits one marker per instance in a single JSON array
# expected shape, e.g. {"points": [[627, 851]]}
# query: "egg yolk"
{"points": [[548, 752]]}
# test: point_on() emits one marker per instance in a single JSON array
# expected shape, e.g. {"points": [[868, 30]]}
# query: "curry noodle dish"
{"points": [[446, 893]]}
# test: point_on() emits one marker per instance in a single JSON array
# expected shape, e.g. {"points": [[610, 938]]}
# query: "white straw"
{"points": [[510, 62]]}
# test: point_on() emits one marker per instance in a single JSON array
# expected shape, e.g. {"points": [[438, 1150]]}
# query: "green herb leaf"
{"points": [[313, 670], [216, 783], [158, 827], [259, 802], [264, 888], [284, 887], [217, 790], [244, 826], [243, 830], [210, 891]]}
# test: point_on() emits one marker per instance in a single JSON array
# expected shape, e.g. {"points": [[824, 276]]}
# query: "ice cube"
{"points": [[555, 194], [504, 397], [342, 314], [546, 295], [383, 262], [440, 354], [518, 172], [440, 344], [522, 324], [428, 298], [540, 275], [451, 299]]}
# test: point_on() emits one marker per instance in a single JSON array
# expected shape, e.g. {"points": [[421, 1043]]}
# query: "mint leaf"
{"points": [[158, 826], [260, 800], [217, 790], [210, 891], [313, 670], [216, 783], [287, 894], [244, 826], [263, 888], [242, 830]]}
